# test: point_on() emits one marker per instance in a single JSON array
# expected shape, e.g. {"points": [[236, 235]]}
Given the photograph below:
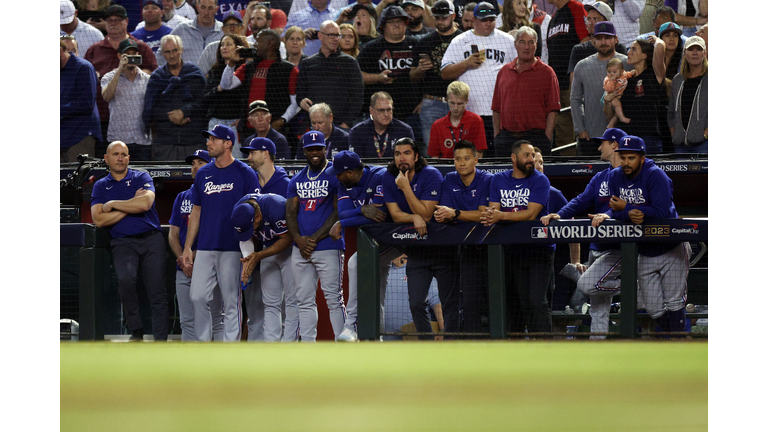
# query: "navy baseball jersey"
{"points": [[108, 189], [273, 222], [597, 195], [369, 190], [316, 193], [277, 184], [556, 199], [217, 190], [516, 194], [426, 185], [456, 195], [182, 207], [650, 192]]}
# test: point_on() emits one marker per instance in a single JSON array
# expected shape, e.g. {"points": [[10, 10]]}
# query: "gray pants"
{"points": [[186, 312], [328, 267], [254, 306], [276, 288], [385, 260], [662, 281], [212, 267], [601, 282]]}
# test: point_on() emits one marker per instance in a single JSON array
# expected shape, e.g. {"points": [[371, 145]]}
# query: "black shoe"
{"points": [[137, 336]]}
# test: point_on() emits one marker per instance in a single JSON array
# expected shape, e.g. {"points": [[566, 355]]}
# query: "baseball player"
{"points": [[218, 186], [601, 278], [261, 153], [310, 212], [124, 201], [260, 219], [412, 191], [640, 191], [177, 235], [463, 199], [361, 202], [522, 194]]}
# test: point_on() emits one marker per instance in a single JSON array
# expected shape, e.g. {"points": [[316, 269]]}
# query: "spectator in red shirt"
{"points": [[460, 124], [526, 99]]}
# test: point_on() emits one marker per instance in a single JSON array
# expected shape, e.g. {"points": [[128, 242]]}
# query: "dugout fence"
{"points": [[373, 239]]}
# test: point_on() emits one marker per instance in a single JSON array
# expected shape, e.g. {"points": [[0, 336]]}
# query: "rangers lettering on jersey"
{"points": [[632, 196], [211, 188]]}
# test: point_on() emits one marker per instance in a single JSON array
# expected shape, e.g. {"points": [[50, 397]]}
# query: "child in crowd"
{"points": [[616, 80]]}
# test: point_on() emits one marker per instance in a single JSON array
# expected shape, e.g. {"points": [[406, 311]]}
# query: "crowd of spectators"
{"points": [[381, 70]]}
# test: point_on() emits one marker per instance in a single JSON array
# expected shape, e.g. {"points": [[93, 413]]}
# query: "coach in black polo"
{"points": [[124, 201]]}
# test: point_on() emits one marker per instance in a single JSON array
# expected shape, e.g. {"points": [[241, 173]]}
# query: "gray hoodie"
{"points": [[699, 114]]}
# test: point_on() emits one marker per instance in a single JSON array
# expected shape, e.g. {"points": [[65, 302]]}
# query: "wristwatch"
{"points": [[456, 213]]}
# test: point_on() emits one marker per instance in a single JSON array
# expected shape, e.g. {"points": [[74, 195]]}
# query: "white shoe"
{"points": [[347, 336]]}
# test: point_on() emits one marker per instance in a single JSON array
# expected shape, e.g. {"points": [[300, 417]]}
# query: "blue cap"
{"points": [[605, 28], [670, 26], [222, 132], [612, 134], [344, 160], [199, 154], [232, 14], [242, 220], [313, 138], [631, 143], [259, 143], [484, 10]]}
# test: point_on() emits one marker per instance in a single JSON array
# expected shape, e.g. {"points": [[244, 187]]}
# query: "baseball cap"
{"points": [[601, 8], [116, 10], [605, 28], [157, 3], [344, 160], [670, 26], [259, 143], [612, 134], [484, 10], [631, 143], [392, 12], [66, 12], [127, 44], [198, 154], [313, 138], [695, 40], [368, 8], [232, 14], [443, 8], [418, 3], [242, 220], [222, 132], [257, 105]]}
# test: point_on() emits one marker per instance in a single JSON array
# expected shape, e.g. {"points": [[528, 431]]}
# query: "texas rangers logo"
{"points": [[211, 188]]}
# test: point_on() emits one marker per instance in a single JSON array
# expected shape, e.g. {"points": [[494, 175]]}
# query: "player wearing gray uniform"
{"points": [[639, 191], [310, 213], [602, 278], [218, 186], [177, 236]]}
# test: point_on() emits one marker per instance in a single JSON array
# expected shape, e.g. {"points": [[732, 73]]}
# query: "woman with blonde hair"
{"points": [[349, 42], [688, 113], [295, 40]]}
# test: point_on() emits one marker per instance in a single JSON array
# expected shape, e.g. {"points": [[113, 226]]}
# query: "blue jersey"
{"points": [[277, 184], [368, 190], [456, 195], [182, 207], [556, 199], [152, 38], [317, 194], [650, 192], [108, 189], [426, 185], [273, 217], [516, 194], [597, 195], [216, 190]]}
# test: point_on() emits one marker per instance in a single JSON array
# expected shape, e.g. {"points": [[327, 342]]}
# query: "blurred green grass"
{"points": [[459, 386]]}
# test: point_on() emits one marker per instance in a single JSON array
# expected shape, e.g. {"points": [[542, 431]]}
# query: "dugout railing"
{"points": [[371, 238]]}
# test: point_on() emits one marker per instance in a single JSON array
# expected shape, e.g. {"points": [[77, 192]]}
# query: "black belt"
{"points": [[142, 235]]}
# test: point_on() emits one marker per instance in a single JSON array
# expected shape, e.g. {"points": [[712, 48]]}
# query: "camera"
{"points": [[247, 52], [134, 60]]}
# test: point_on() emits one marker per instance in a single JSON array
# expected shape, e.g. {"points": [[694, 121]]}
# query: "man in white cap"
{"points": [[70, 25]]}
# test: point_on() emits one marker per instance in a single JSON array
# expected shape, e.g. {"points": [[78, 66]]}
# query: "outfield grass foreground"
{"points": [[462, 386]]}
